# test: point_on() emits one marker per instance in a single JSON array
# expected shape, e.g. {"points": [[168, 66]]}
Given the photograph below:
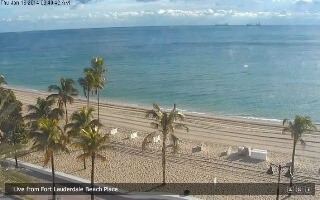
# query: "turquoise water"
{"points": [[269, 71]]}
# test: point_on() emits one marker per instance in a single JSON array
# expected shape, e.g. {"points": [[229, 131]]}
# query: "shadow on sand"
{"points": [[237, 157]]}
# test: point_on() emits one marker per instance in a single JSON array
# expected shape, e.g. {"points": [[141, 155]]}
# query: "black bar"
{"points": [[158, 188]]}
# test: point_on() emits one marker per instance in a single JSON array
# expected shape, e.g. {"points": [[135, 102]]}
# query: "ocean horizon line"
{"points": [[146, 26]]}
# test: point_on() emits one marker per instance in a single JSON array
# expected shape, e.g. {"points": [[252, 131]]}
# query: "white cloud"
{"points": [[22, 17], [102, 13], [6, 19], [117, 15]]}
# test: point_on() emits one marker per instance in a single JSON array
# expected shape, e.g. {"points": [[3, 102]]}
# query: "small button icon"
{"points": [[308, 189], [298, 189], [290, 189]]}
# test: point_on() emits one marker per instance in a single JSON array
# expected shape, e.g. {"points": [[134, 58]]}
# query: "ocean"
{"points": [[270, 72]]}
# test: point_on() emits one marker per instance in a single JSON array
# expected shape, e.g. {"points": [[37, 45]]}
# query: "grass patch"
{"points": [[12, 176]]}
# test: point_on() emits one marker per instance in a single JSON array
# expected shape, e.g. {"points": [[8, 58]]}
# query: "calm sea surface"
{"points": [[269, 71]]}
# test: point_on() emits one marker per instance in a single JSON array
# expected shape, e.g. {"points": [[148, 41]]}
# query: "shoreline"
{"points": [[233, 118], [216, 135]]}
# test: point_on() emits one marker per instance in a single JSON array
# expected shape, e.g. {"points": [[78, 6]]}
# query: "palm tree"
{"points": [[297, 128], [49, 138], [2, 80], [16, 136], [87, 84], [97, 69], [43, 108], [12, 125], [65, 94], [166, 123], [7, 104], [81, 119], [91, 142]]}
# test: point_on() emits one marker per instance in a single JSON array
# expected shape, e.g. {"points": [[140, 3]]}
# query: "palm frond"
{"points": [[155, 125], [153, 114], [2, 80], [52, 97], [156, 107], [147, 140], [54, 87], [285, 121], [303, 143], [286, 130], [181, 126], [175, 143]]}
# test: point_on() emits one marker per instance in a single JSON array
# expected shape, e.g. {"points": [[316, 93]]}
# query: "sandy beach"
{"points": [[127, 163]]}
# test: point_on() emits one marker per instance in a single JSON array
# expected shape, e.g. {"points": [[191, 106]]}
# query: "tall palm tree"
{"points": [[87, 84], [49, 138], [64, 95], [12, 124], [7, 104], [297, 128], [81, 119], [16, 136], [98, 70], [43, 108], [92, 142], [2, 80], [166, 123]]}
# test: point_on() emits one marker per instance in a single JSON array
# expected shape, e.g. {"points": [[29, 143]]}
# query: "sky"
{"points": [[123, 13]]}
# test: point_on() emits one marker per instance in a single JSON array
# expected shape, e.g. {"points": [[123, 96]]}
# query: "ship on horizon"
{"points": [[225, 24], [251, 24]]}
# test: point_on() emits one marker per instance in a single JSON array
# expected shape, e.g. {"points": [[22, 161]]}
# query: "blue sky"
{"points": [[113, 13]]}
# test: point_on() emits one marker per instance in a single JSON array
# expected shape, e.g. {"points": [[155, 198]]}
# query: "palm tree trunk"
{"points": [[164, 159], [98, 105], [53, 177], [88, 99], [65, 105], [292, 161], [14, 144], [84, 162], [92, 174], [16, 159]]}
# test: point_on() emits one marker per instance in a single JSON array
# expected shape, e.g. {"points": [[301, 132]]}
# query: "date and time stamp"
{"points": [[35, 2]]}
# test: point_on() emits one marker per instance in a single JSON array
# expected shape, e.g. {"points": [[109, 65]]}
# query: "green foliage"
{"points": [[87, 83], [8, 104], [300, 125], [64, 95], [98, 70], [2, 80], [12, 124], [91, 142], [81, 119], [42, 109], [65, 92], [49, 138], [166, 123]]}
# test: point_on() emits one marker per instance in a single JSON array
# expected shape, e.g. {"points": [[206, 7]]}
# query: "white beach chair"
{"points": [[114, 131], [259, 154], [133, 135], [215, 180], [156, 139], [228, 152]]}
